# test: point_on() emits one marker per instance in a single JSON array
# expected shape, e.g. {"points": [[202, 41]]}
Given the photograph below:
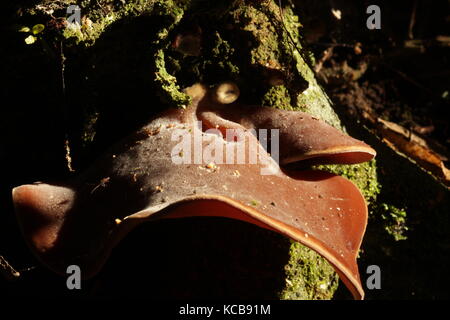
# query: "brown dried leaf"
{"points": [[415, 147]]}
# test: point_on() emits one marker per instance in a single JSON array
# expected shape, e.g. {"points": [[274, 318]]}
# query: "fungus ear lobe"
{"points": [[304, 137], [211, 120], [301, 136], [41, 210]]}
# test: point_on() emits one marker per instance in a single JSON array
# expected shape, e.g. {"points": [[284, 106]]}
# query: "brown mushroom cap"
{"points": [[301, 135], [137, 180]]}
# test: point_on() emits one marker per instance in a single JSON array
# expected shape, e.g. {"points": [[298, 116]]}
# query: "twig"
{"points": [[63, 88], [412, 21], [325, 56], [7, 270], [101, 7], [102, 184]]}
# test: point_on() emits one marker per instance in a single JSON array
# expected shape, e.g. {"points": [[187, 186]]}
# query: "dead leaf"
{"points": [[415, 147]]}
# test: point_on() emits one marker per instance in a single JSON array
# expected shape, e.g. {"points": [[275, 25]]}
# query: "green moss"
{"points": [[135, 7], [277, 47], [221, 55], [169, 91], [277, 96], [221, 48], [99, 15], [172, 12], [95, 17], [267, 51], [394, 221], [308, 275], [89, 31], [311, 99]]}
